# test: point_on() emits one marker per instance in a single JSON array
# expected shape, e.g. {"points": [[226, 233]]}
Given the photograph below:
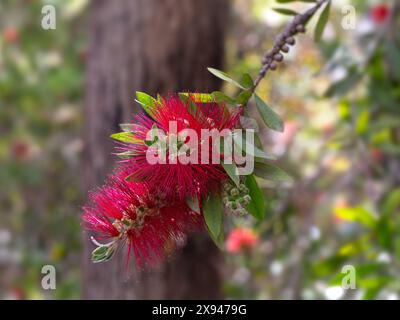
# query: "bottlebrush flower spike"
{"points": [[123, 212], [184, 180]]}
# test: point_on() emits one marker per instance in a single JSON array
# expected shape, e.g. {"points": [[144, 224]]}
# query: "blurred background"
{"points": [[63, 92]]}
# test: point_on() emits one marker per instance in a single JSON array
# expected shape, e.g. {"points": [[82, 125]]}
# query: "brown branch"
{"points": [[284, 40]]}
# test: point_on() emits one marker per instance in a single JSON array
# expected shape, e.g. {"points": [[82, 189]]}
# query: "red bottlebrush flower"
{"points": [[241, 239], [190, 179], [124, 212], [379, 13]]}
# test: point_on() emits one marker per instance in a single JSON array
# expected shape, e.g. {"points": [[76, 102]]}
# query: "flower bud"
{"points": [[234, 192], [285, 48]]}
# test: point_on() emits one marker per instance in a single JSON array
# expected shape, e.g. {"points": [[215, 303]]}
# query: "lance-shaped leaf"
{"points": [[357, 214], [224, 76], [198, 97], [322, 21], [343, 86], [230, 169], [243, 146], [127, 137], [286, 12], [257, 205], [213, 215], [191, 104], [222, 97], [270, 172], [246, 81], [148, 103], [244, 97], [393, 57], [269, 116]]}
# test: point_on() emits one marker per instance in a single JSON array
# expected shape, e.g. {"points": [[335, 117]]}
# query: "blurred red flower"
{"points": [[376, 154], [240, 239], [17, 293], [379, 13], [20, 150], [11, 35]]}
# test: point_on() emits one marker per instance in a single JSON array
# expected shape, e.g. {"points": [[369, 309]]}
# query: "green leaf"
{"points": [[221, 97], [285, 11], [392, 202], [183, 96], [248, 148], [257, 205], [191, 104], [127, 137], [198, 97], [257, 140], [271, 172], [356, 214], [246, 81], [322, 21], [393, 58], [362, 122], [192, 107], [224, 76], [244, 97], [269, 116], [148, 103], [341, 87], [231, 171], [213, 215]]}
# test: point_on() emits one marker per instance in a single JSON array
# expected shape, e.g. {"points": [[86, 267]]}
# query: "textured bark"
{"points": [[157, 47]]}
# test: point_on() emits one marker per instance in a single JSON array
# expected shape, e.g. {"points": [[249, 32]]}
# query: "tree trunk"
{"points": [[157, 47]]}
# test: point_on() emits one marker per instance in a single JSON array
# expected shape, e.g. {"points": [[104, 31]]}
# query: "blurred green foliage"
{"points": [[340, 99], [41, 82]]}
